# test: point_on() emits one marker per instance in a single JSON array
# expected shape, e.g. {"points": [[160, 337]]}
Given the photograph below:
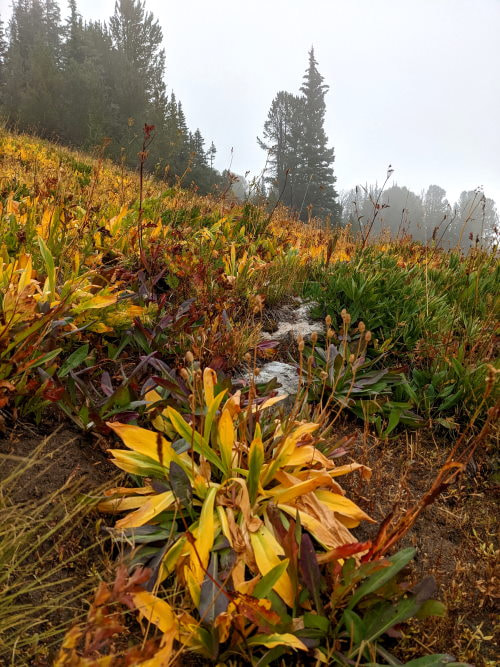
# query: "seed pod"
{"points": [[368, 336], [351, 358], [189, 357], [314, 337], [361, 327], [301, 345], [184, 374], [330, 333], [328, 320]]}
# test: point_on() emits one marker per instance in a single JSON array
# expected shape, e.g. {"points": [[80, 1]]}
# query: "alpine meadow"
{"points": [[245, 418]]}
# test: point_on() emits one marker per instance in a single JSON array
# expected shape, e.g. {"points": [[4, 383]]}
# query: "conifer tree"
{"points": [[84, 81], [282, 141], [317, 158], [299, 159]]}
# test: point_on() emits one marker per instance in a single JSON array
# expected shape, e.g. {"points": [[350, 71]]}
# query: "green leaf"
{"points": [[431, 608], [255, 461], [355, 626], [265, 585], [45, 358], [383, 619], [198, 443], [436, 661], [74, 360], [397, 563], [211, 414]]}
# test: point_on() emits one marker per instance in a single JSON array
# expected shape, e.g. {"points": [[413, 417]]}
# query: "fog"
{"points": [[413, 84]]}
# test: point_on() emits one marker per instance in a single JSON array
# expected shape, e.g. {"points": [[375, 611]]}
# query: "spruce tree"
{"points": [[299, 160], [317, 182], [282, 140]]}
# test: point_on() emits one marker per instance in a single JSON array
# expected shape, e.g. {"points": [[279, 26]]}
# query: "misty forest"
{"points": [[244, 419]]}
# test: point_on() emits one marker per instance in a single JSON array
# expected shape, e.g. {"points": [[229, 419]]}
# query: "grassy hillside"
{"points": [[134, 312]]}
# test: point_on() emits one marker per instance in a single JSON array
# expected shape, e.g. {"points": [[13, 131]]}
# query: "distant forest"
{"points": [[86, 82], [80, 82]]}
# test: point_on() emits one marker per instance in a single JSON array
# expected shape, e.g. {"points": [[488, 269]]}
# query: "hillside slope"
{"points": [[136, 320]]}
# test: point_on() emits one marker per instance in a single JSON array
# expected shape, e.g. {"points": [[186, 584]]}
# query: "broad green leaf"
{"points": [[436, 661], [74, 360], [397, 563], [268, 581], [44, 359], [355, 626]]}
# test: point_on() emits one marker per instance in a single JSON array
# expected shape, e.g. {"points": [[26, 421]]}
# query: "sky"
{"points": [[413, 83]]}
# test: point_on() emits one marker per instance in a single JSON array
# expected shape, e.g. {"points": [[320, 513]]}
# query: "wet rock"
{"points": [[292, 322], [286, 374]]}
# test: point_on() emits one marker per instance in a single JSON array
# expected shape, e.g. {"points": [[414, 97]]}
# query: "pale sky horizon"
{"points": [[412, 83]]}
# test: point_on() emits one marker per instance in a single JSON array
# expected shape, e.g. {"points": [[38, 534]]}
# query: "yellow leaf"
{"points": [[343, 506], [151, 508], [226, 438], [115, 505], [98, 301], [269, 402], [276, 639], [146, 442], [155, 610], [25, 277], [266, 551], [200, 551], [209, 382], [284, 495], [308, 454]]}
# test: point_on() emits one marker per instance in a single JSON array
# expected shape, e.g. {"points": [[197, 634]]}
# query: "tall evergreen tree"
{"points": [[316, 164], [299, 159], [282, 141], [32, 75]]}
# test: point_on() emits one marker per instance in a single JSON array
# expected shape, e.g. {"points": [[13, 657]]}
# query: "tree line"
{"points": [[81, 81], [428, 217]]}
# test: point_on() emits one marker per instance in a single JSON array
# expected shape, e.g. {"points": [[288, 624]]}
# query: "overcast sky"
{"points": [[414, 83]]}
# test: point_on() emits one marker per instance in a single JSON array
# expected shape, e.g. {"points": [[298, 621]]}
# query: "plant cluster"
{"points": [[130, 314]]}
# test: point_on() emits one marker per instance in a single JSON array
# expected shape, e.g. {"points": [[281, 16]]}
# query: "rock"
{"points": [[294, 322], [286, 374]]}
